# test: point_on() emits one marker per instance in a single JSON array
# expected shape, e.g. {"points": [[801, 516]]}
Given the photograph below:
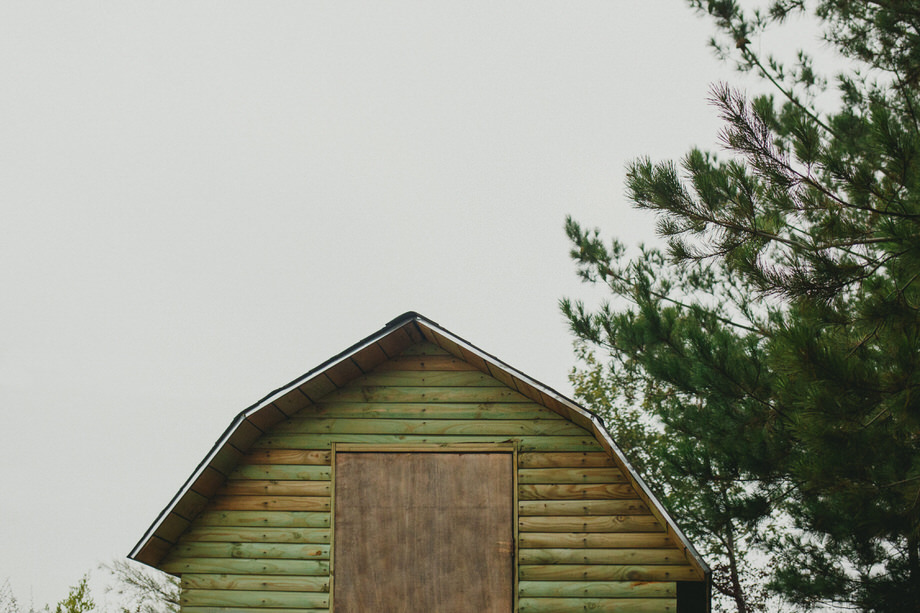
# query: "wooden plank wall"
{"points": [[586, 541]]}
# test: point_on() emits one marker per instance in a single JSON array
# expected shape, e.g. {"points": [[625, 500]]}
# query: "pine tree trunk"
{"points": [[737, 590], [913, 557]]}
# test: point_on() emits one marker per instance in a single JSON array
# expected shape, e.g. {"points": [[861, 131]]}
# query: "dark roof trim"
{"points": [[394, 324], [600, 431]]}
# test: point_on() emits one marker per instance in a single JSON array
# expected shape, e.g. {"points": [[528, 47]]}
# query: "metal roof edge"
{"points": [[600, 429], [389, 328]]}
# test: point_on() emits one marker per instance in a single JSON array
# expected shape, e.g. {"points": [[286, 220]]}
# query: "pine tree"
{"points": [[777, 341]]}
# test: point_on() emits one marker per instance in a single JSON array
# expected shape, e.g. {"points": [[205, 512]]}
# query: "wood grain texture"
{"points": [[282, 472], [256, 535], [597, 605], [232, 566], [430, 362], [277, 519], [601, 556], [570, 475], [417, 410], [576, 491], [429, 394], [582, 507], [587, 542], [564, 460], [287, 456], [189, 609], [279, 583], [597, 589], [590, 540], [590, 523], [490, 427], [525, 443], [269, 503], [423, 348], [255, 551], [255, 599], [266, 487], [427, 378], [599, 572], [437, 526]]}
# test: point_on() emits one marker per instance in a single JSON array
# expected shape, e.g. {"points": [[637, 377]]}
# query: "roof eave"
{"points": [[461, 348]]}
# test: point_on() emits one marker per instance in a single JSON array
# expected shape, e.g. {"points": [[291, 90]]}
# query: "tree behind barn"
{"points": [[777, 342]]}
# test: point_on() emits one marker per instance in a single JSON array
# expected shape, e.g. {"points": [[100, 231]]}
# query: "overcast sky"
{"points": [[203, 200]]}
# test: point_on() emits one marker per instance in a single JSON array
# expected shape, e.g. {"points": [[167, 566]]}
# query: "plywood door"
{"points": [[423, 533]]}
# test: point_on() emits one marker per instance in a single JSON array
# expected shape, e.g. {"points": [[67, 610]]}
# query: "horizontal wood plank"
{"points": [[255, 551], [599, 572], [427, 378], [287, 456], [444, 410], [282, 472], [274, 583], [188, 609], [256, 535], [584, 540], [269, 503], [597, 589], [423, 348], [256, 599], [461, 427], [570, 475], [582, 507], [260, 518], [602, 556], [597, 605], [590, 523], [576, 491], [260, 487], [564, 460], [525, 443], [430, 362], [240, 566], [393, 393]]}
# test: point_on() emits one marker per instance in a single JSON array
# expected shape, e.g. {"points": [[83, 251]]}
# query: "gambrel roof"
{"points": [[361, 358]]}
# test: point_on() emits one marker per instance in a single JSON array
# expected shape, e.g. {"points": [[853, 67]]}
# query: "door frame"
{"points": [[510, 448]]}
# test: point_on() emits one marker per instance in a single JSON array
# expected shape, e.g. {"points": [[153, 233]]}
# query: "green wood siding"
{"points": [[586, 540]]}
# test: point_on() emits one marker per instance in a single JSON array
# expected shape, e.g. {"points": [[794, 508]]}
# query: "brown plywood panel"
{"points": [[266, 417], [392, 344], [368, 358], [245, 434], [153, 551], [208, 481], [423, 532], [343, 372], [414, 332], [315, 388], [172, 527], [225, 460], [295, 400]]}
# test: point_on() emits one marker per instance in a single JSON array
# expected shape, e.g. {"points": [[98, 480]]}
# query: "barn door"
{"points": [[423, 533]]}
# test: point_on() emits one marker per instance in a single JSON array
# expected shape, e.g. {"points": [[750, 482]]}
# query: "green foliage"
{"points": [[776, 344], [141, 590], [78, 599], [8, 601]]}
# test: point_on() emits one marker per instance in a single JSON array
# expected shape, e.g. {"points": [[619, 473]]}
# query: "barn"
{"points": [[412, 473]]}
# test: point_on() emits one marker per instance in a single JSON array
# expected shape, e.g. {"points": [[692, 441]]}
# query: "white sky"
{"points": [[203, 200]]}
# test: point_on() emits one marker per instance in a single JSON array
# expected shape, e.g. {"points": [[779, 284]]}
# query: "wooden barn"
{"points": [[415, 473]]}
